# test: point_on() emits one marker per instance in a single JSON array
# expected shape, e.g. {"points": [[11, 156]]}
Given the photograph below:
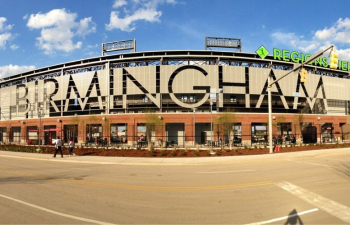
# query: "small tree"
{"points": [[299, 122], [153, 123], [225, 122]]}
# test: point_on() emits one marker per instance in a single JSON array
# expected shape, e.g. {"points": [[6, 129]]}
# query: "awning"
{"points": [[33, 130]]}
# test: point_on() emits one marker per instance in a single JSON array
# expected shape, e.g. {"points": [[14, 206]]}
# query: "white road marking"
{"points": [[339, 160], [336, 209], [284, 217], [54, 212], [232, 171], [315, 164]]}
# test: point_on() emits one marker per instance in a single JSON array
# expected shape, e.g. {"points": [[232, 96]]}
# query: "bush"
{"points": [[162, 152], [173, 152], [152, 153]]}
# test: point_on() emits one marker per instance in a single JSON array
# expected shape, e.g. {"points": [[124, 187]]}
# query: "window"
{"points": [[233, 98], [145, 99], [192, 98]]}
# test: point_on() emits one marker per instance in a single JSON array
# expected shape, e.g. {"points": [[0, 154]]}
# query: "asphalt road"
{"points": [[287, 188]]}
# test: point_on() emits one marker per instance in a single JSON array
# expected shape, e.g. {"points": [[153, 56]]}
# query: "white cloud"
{"points": [[86, 26], [338, 34], [3, 27], [13, 69], [295, 41], [4, 38], [58, 29], [14, 47], [141, 10], [5, 35], [344, 54], [119, 3]]}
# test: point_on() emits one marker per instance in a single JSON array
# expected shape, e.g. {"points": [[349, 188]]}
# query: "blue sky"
{"points": [[39, 33]]}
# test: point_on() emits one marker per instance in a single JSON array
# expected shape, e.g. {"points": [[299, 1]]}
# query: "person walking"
{"points": [[71, 147], [58, 148]]}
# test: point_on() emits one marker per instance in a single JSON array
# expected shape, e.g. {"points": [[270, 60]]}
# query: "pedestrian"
{"points": [[71, 147], [58, 147]]}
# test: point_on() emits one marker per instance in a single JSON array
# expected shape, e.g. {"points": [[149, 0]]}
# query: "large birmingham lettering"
{"points": [[126, 75], [48, 96], [83, 100], [231, 84], [177, 101], [24, 97], [279, 91], [72, 90], [311, 100]]}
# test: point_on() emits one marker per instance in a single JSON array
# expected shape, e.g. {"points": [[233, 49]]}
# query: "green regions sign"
{"points": [[298, 57]]}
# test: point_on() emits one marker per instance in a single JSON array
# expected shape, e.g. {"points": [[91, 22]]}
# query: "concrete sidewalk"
{"points": [[166, 161]]}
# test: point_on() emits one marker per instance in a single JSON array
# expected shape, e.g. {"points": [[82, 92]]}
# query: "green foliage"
{"points": [[152, 153], [173, 152], [162, 152]]}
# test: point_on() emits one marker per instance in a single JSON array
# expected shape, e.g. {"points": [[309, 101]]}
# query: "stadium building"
{"points": [[108, 97]]}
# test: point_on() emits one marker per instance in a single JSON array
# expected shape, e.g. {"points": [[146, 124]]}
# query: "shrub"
{"points": [[152, 153], [182, 153], [173, 152]]}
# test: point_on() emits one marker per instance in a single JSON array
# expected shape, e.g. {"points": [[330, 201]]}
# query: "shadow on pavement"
{"points": [[293, 218]]}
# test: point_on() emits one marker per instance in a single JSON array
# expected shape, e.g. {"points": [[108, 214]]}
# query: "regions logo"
{"points": [[262, 52]]}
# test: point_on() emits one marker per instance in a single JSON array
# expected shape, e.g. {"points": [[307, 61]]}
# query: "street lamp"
{"points": [[194, 126], [211, 126], [60, 121], [310, 59], [39, 115]]}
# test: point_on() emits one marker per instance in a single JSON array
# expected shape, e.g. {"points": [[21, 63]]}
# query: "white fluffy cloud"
{"points": [[58, 29], [294, 41], [141, 10], [13, 69], [338, 34], [5, 35]]}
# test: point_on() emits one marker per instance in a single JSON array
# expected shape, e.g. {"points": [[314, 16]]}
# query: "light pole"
{"points": [[60, 121], [194, 126], [39, 115], [310, 59], [211, 126]]}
